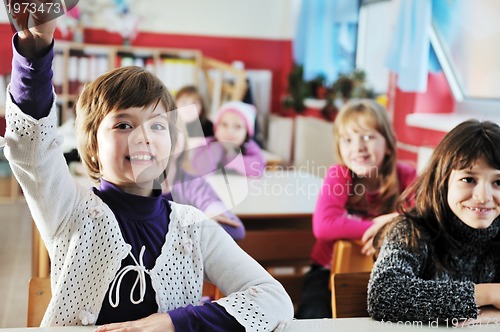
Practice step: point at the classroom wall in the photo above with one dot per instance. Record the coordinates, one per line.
(257, 32)
(437, 99)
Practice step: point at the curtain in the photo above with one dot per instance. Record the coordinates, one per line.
(325, 40)
(411, 55)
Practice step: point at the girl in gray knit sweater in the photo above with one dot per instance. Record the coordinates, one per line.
(439, 261)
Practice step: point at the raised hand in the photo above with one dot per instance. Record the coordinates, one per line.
(35, 22)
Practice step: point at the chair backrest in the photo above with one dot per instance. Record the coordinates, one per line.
(347, 257)
(349, 293)
(39, 296)
(280, 136)
(221, 90)
(314, 145)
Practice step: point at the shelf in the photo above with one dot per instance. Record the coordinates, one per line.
(76, 64)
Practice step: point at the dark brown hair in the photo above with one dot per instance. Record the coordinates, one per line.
(425, 204)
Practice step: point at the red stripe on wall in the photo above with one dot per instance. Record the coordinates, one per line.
(274, 55)
(5, 48)
(437, 99)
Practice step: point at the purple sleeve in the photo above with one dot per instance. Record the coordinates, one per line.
(330, 219)
(207, 158)
(31, 82)
(208, 317)
(254, 162)
(196, 191)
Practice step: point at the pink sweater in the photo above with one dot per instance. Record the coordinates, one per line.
(332, 221)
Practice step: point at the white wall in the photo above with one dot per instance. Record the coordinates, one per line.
(374, 38)
(3, 14)
(235, 18)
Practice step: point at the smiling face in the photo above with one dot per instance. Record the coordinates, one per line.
(474, 194)
(362, 149)
(231, 128)
(134, 146)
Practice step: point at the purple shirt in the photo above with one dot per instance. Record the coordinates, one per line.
(210, 157)
(142, 220)
(196, 191)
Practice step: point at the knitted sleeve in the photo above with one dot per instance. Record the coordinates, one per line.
(331, 220)
(399, 290)
(254, 297)
(34, 153)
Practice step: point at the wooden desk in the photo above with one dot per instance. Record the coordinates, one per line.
(370, 325)
(315, 325)
(277, 194)
(277, 212)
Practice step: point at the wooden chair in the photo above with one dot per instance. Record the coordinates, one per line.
(211, 291)
(349, 293)
(347, 257)
(220, 89)
(39, 296)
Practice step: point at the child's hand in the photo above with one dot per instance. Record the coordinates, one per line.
(369, 234)
(487, 295)
(35, 22)
(223, 219)
(152, 323)
(487, 315)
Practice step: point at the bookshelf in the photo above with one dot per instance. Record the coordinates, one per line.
(76, 64)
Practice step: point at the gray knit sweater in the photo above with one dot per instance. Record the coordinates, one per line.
(404, 285)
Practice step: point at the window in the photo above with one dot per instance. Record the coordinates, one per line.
(465, 36)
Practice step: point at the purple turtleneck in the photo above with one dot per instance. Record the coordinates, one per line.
(142, 220)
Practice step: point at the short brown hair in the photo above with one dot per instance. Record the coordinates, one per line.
(120, 88)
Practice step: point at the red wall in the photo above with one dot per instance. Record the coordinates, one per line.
(274, 55)
(437, 99)
(5, 48)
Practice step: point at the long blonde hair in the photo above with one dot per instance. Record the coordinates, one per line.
(373, 115)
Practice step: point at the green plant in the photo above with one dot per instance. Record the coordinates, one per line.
(298, 89)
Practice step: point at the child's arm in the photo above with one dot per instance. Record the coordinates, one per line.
(31, 135)
(398, 290)
(331, 220)
(248, 288)
(31, 81)
(487, 294)
(196, 191)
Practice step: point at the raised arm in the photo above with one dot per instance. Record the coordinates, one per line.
(31, 81)
(32, 143)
